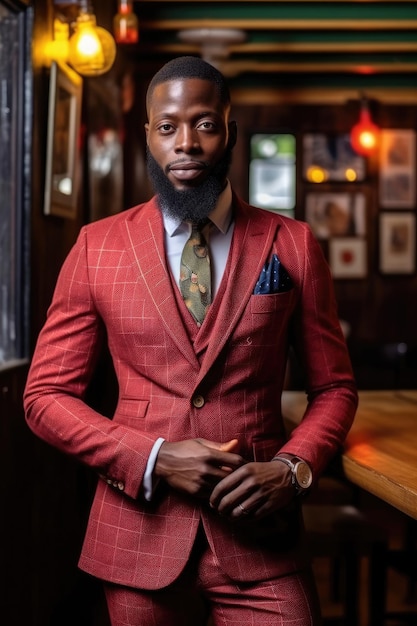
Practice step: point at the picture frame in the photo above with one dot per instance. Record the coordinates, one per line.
(333, 157)
(62, 162)
(336, 214)
(272, 172)
(397, 163)
(348, 257)
(397, 243)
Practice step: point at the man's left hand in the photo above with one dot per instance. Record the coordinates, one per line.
(253, 491)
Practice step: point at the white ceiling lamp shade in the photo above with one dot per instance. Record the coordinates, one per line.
(214, 43)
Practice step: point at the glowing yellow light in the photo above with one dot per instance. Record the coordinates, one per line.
(351, 174)
(316, 174)
(57, 48)
(88, 44)
(367, 139)
(92, 49)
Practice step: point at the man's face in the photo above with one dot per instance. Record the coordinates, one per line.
(188, 131)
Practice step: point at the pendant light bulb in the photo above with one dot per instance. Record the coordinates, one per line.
(92, 49)
(365, 134)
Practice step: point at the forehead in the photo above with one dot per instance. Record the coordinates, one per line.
(185, 92)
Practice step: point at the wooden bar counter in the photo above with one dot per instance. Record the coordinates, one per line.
(380, 454)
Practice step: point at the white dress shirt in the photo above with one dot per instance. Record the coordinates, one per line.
(218, 236)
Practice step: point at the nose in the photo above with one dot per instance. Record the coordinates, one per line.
(187, 140)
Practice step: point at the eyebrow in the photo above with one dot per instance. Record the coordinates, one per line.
(197, 116)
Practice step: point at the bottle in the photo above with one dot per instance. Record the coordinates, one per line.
(125, 23)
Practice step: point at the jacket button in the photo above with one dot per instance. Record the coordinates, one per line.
(198, 401)
(120, 486)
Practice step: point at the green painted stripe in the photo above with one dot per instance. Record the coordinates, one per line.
(331, 36)
(289, 10)
(350, 81)
(359, 59)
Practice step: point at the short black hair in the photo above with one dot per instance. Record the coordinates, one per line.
(190, 67)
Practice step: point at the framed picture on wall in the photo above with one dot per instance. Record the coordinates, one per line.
(272, 172)
(397, 243)
(336, 214)
(331, 158)
(397, 162)
(348, 257)
(64, 114)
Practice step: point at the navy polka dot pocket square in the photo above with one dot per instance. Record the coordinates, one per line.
(273, 278)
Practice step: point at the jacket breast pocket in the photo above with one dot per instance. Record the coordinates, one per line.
(273, 302)
(265, 321)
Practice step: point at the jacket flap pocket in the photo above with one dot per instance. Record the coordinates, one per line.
(132, 407)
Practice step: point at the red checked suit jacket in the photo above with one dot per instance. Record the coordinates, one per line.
(225, 384)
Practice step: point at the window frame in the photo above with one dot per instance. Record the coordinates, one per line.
(17, 122)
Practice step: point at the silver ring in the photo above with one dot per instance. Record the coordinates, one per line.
(242, 508)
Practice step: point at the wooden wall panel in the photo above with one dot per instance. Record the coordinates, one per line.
(380, 309)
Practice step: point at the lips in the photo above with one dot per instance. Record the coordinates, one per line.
(187, 170)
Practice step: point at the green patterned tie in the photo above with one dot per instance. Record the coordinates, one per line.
(195, 278)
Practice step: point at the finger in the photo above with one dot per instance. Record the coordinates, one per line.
(229, 492)
(250, 515)
(235, 480)
(228, 461)
(241, 510)
(245, 506)
(227, 446)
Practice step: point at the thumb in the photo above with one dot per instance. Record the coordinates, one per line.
(228, 446)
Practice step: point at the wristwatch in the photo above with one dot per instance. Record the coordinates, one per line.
(301, 474)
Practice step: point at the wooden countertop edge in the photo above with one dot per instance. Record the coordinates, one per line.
(380, 486)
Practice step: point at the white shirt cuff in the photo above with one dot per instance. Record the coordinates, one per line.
(149, 483)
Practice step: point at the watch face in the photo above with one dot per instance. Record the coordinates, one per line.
(303, 475)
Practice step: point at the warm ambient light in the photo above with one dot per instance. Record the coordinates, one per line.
(92, 49)
(316, 174)
(125, 23)
(351, 174)
(364, 135)
(57, 48)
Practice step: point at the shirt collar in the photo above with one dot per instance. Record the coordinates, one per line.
(221, 215)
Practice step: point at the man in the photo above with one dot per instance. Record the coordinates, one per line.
(197, 508)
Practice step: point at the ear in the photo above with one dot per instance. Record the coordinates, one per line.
(147, 133)
(232, 126)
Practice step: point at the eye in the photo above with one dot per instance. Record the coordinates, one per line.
(206, 125)
(165, 128)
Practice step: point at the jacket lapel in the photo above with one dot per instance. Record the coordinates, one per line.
(251, 245)
(144, 236)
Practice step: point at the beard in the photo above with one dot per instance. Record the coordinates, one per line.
(196, 203)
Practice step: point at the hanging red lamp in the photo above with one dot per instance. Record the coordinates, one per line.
(364, 136)
(125, 23)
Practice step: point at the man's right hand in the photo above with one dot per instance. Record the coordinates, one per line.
(195, 466)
